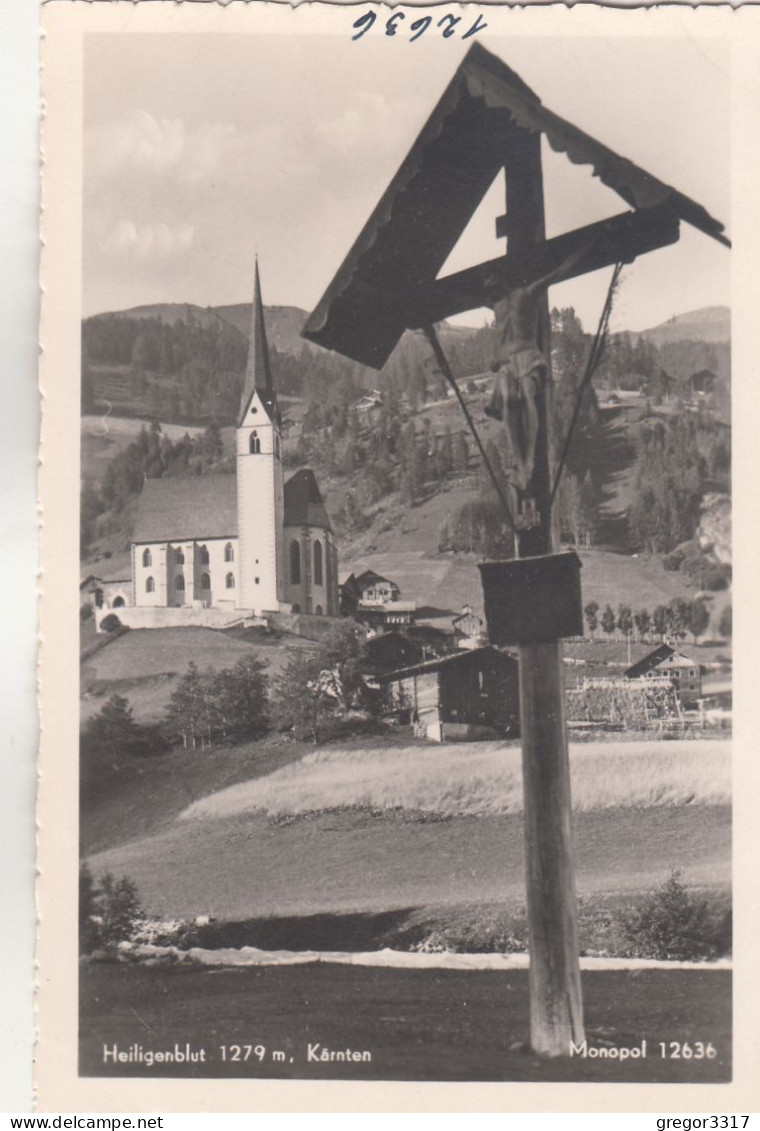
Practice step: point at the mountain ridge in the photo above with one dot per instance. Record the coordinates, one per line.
(285, 323)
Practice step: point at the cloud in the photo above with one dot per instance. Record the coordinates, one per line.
(366, 122)
(144, 241)
(158, 147)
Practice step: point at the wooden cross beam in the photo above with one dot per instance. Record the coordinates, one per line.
(618, 240)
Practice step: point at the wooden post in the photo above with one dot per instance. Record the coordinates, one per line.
(556, 1010)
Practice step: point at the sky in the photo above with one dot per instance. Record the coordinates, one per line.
(201, 151)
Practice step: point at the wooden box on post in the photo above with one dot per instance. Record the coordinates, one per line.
(529, 600)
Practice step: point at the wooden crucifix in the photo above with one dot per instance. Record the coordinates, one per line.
(488, 119)
(556, 1007)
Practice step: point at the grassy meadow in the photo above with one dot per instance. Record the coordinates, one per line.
(371, 826)
(458, 780)
(145, 665)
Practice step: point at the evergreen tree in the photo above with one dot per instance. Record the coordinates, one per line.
(625, 620)
(660, 620)
(114, 734)
(591, 612)
(679, 616)
(698, 617)
(608, 620)
(643, 622)
(187, 710)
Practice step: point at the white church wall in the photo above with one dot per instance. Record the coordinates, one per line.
(260, 509)
(164, 569)
(150, 572)
(223, 564)
(311, 596)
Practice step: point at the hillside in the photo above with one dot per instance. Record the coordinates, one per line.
(432, 827)
(284, 324)
(145, 665)
(169, 313)
(709, 324)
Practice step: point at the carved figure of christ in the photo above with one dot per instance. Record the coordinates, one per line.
(520, 365)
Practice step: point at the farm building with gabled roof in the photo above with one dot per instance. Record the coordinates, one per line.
(465, 695)
(683, 672)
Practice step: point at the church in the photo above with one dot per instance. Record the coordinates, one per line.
(216, 549)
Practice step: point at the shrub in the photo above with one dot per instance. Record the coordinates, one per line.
(108, 912)
(85, 612)
(716, 577)
(673, 561)
(672, 923)
(110, 623)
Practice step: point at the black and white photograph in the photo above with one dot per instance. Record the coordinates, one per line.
(405, 563)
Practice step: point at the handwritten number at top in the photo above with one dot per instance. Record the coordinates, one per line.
(447, 25)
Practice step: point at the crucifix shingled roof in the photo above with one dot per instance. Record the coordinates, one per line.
(487, 119)
(258, 373)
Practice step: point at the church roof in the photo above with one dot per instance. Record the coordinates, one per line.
(176, 510)
(378, 291)
(258, 373)
(205, 506)
(304, 505)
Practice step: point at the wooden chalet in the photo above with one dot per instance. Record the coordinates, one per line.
(375, 601)
(465, 695)
(469, 630)
(683, 672)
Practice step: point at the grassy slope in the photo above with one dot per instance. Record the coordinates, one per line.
(145, 664)
(449, 581)
(349, 860)
(362, 858)
(474, 780)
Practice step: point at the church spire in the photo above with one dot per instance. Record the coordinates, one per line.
(258, 374)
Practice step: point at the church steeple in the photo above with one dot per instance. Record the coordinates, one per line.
(258, 374)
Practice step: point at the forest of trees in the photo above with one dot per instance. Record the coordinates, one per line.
(677, 462)
(108, 505)
(191, 370)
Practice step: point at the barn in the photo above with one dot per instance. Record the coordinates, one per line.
(466, 695)
(683, 672)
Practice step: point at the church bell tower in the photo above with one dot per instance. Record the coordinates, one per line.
(260, 499)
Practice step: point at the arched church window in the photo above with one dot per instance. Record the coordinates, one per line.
(319, 611)
(255, 444)
(147, 558)
(229, 553)
(179, 557)
(229, 581)
(204, 556)
(150, 585)
(205, 581)
(118, 603)
(179, 583)
(295, 563)
(318, 572)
